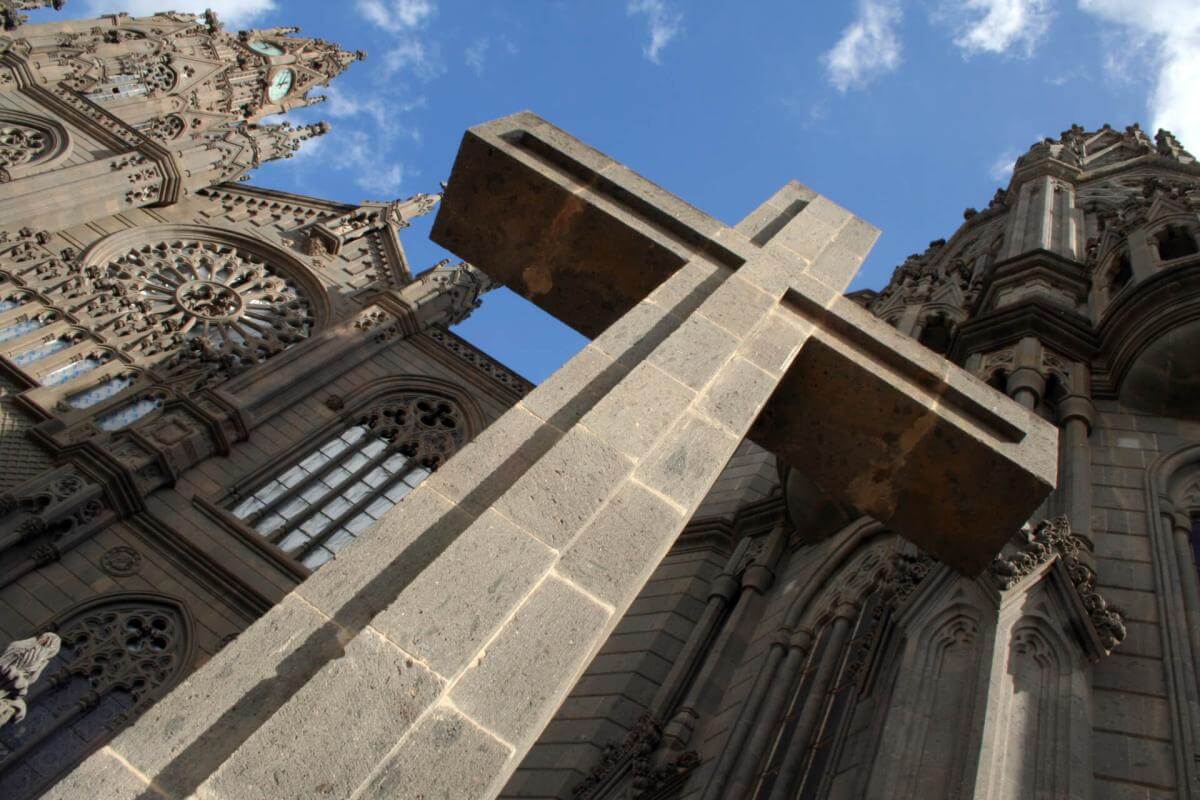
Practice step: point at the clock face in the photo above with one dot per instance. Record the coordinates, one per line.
(281, 84)
(266, 48)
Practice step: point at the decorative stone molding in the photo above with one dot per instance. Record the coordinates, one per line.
(629, 763)
(121, 561)
(1053, 539)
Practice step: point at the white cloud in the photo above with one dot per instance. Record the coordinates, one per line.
(476, 54)
(996, 26)
(665, 24)
(234, 13)
(869, 47)
(385, 182)
(1167, 33)
(1001, 169)
(416, 57)
(397, 16)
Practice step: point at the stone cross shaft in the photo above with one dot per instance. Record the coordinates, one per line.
(425, 660)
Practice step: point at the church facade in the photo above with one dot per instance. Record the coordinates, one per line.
(210, 389)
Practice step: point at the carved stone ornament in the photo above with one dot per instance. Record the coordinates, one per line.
(21, 664)
(1054, 539)
(634, 756)
(121, 561)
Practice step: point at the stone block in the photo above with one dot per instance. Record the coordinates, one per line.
(515, 686)
(490, 463)
(1132, 758)
(103, 775)
(633, 415)
(622, 545)
(556, 497)
(635, 335)
(1126, 673)
(449, 756)
(567, 395)
(369, 574)
(186, 735)
(683, 292)
(738, 306)
(456, 604)
(764, 222)
(774, 344)
(684, 465)
(695, 352)
(737, 394)
(335, 730)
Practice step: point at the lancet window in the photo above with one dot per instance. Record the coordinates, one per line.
(338, 490)
(116, 656)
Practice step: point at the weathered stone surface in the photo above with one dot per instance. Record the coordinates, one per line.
(696, 354)
(364, 579)
(633, 415)
(456, 604)
(688, 459)
(104, 775)
(617, 551)
(447, 753)
(374, 692)
(189, 733)
(559, 493)
(571, 392)
(518, 681)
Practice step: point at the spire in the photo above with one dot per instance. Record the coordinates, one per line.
(446, 294)
(329, 236)
(10, 10)
(280, 141)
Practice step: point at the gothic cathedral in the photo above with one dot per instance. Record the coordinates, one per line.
(208, 389)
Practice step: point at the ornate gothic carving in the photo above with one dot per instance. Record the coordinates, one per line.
(21, 664)
(633, 756)
(1054, 539)
(121, 561)
(426, 429)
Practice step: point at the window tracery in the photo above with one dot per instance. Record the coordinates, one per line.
(340, 489)
(199, 309)
(116, 656)
(21, 145)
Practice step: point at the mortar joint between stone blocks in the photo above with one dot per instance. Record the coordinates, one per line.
(605, 605)
(521, 405)
(450, 705)
(137, 773)
(651, 490)
(407, 655)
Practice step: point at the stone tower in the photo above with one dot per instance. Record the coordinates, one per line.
(789, 647)
(206, 389)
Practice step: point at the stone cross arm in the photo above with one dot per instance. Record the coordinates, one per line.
(874, 418)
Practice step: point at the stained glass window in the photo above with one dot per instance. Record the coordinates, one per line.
(126, 415)
(111, 386)
(341, 488)
(70, 371)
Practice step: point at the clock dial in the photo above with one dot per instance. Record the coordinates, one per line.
(281, 84)
(266, 48)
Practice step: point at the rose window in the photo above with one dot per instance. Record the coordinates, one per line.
(20, 145)
(203, 304)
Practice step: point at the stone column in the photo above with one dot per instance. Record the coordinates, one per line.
(833, 651)
(1076, 415)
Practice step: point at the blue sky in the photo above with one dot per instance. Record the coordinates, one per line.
(904, 111)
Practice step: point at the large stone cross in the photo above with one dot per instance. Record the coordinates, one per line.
(426, 659)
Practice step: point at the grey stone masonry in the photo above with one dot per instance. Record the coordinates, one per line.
(456, 630)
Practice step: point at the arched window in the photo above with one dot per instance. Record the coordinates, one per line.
(1175, 242)
(118, 654)
(339, 489)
